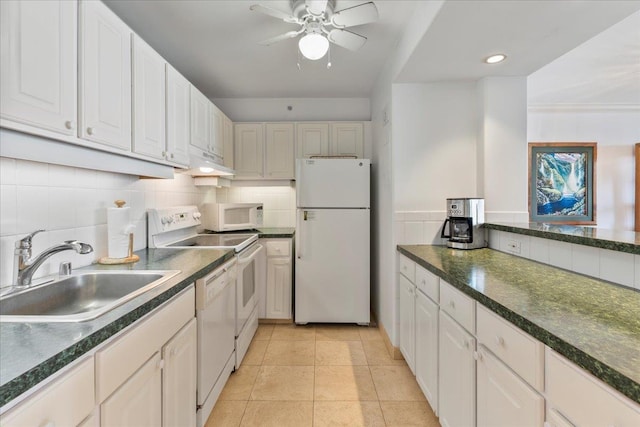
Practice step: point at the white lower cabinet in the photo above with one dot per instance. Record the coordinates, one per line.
(580, 399)
(179, 378)
(457, 375)
(505, 400)
(426, 363)
(138, 402)
(147, 375)
(407, 321)
(279, 284)
(66, 401)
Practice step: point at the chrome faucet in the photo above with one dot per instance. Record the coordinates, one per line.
(24, 266)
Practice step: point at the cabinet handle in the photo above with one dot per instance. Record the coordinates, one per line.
(452, 304)
(499, 340)
(160, 364)
(171, 155)
(90, 131)
(466, 344)
(70, 124)
(48, 423)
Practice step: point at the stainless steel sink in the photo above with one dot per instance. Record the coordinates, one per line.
(79, 297)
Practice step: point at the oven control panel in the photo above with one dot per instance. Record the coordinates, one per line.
(175, 218)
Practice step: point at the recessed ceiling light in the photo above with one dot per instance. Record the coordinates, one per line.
(494, 59)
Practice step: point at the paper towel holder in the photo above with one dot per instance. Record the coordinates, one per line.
(131, 257)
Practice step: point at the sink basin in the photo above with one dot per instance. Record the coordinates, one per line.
(79, 297)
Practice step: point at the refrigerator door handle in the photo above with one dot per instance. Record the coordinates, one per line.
(299, 234)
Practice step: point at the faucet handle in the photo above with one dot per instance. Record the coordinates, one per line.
(25, 242)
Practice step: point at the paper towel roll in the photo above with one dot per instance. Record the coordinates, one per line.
(118, 228)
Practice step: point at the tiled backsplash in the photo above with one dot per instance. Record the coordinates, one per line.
(424, 227)
(617, 267)
(279, 202)
(70, 203)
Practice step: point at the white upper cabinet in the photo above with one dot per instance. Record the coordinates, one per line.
(347, 139)
(228, 142)
(330, 139)
(105, 76)
(248, 143)
(279, 151)
(200, 121)
(39, 63)
(217, 131)
(178, 117)
(312, 140)
(148, 100)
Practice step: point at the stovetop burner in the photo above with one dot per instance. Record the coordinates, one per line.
(177, 227)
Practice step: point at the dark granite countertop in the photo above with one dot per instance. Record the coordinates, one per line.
(615, 240)
(30, 352)
(264, 232)
(593, 323)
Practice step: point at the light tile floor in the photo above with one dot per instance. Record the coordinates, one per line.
(320, 376)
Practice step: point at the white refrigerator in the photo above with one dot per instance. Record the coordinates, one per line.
(332, 264)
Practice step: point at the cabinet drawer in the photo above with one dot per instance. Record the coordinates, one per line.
(121, 358)
(583, 399)
(428, 283)
(278, 247)
(459, 306)
(407, 268)
(520, 351)
(64, 402)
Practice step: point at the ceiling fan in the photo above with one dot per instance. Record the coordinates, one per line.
(321, 24)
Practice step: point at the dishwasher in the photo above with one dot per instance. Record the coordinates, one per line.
(215, 314)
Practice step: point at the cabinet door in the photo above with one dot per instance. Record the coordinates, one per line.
(456, 374)
(407, 321)
(312, 140)
(347, 139)
(279, 151)
(39, 63)
(148, 100)
(200, 120)
(248, 142)
(178, 117)
(66, 401)
(228, 143)
(217, 131)
(503, 398)
(179, 378)
(138, 402)
(427, 348)
(105, 75)
(278, 288)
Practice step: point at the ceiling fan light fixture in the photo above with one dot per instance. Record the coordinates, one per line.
(313, 46)
(494, 59)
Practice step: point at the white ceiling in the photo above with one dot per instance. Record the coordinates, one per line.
(604, 70)
(214, 43)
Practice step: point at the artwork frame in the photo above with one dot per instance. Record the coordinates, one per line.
(562, 182)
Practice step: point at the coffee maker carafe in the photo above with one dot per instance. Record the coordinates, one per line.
(463, 226)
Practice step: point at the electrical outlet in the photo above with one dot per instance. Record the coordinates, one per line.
(514, 246)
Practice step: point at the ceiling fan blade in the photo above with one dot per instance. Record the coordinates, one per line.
(275, 13)
(316, 7)
(346, 39)
(272, 40)
(356, 15)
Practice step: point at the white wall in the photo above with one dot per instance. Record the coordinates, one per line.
(434, 155)
(70, 203)
(502, 148)
(302, 109)
(384, 290)
(616, 130)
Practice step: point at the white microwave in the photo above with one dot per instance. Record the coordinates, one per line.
(231, 216)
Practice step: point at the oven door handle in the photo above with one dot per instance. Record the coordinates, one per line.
(246, 259)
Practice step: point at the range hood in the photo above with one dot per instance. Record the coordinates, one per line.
(202, 163)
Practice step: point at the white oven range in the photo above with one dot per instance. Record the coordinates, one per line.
(218, 354)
